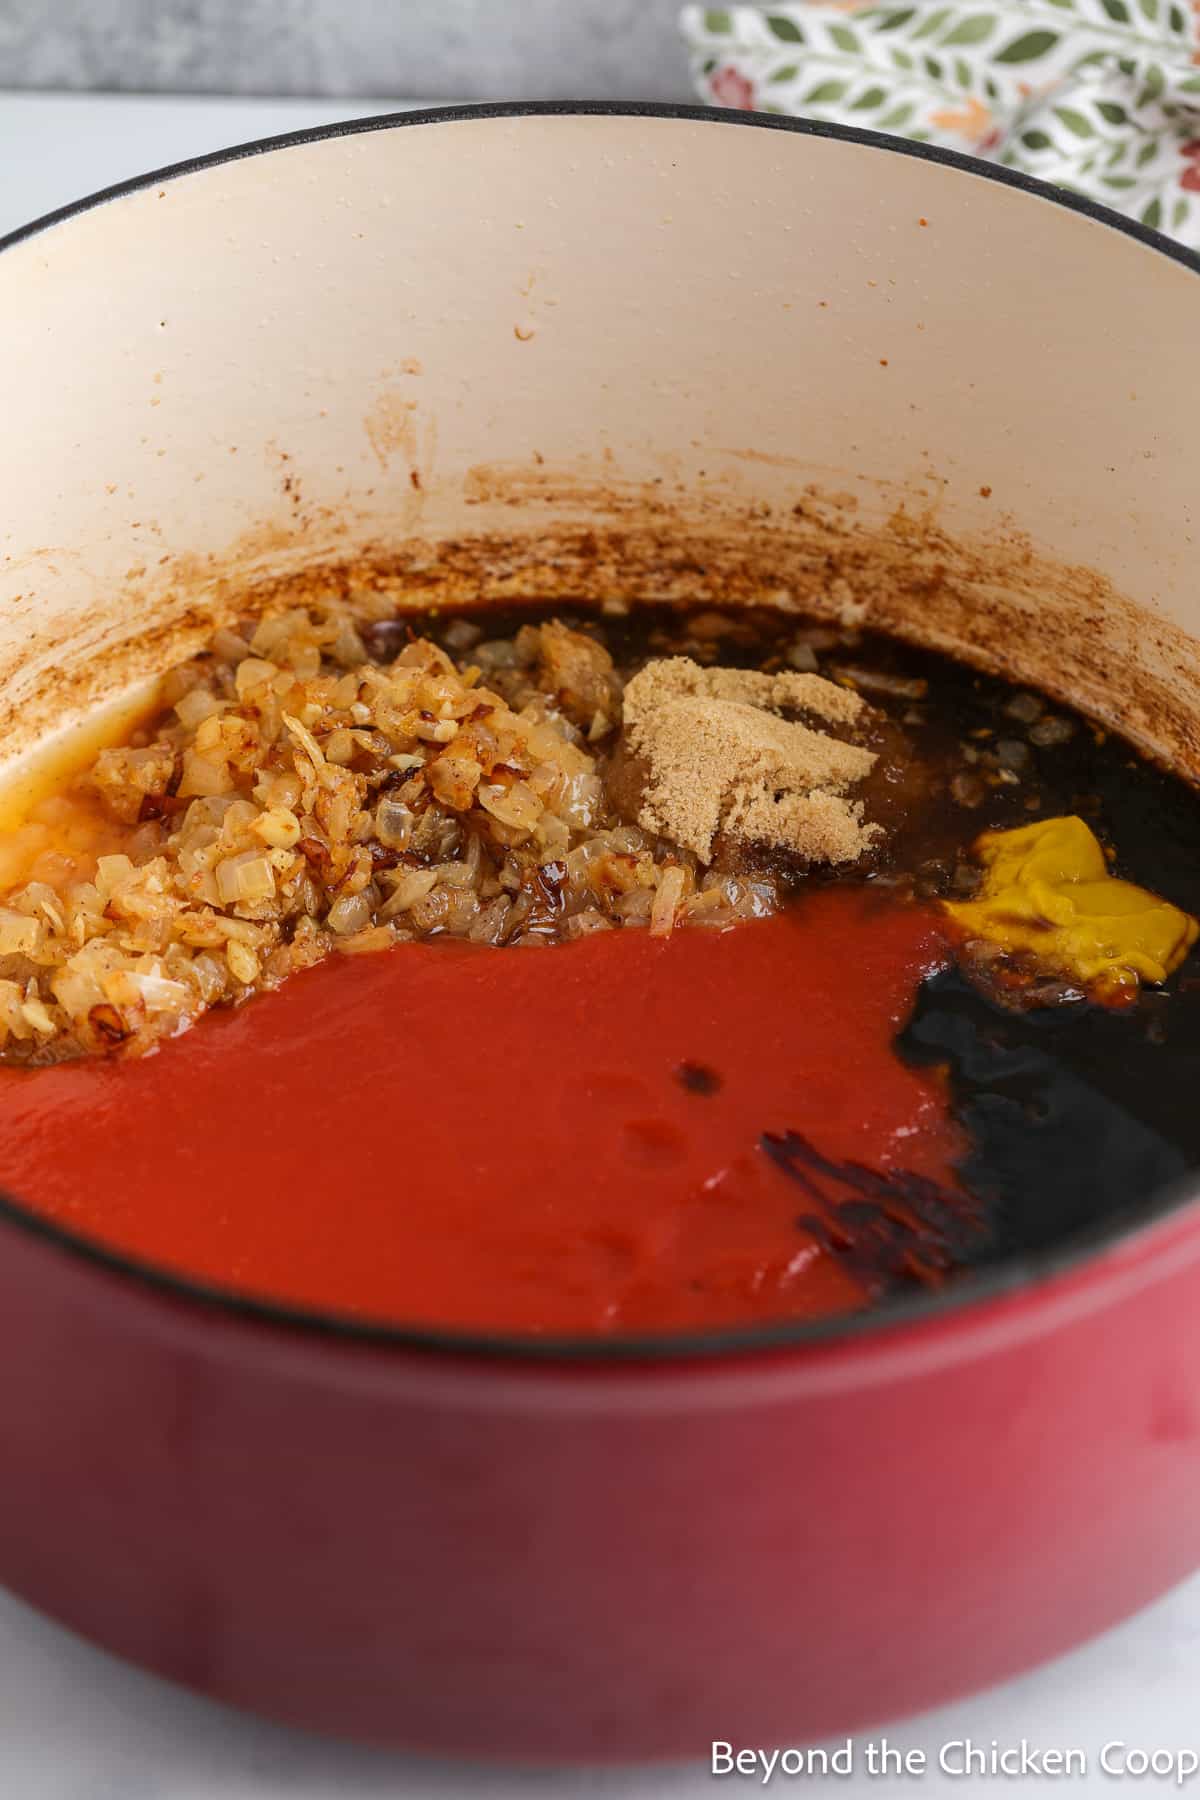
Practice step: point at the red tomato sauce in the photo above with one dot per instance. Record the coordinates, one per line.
(550, 1140)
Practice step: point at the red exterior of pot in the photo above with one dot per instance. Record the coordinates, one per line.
(600, 1558)
(590, 1560)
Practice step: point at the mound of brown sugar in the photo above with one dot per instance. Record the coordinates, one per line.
(719, 758)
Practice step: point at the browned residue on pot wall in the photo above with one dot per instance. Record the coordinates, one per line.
(545, 533)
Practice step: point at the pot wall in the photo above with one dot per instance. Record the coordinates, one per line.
(500, 322)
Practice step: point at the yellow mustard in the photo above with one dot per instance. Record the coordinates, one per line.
(1047, 891)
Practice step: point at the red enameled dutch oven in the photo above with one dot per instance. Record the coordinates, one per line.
(617, 352)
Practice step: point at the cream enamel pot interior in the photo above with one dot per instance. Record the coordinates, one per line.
(614, 352)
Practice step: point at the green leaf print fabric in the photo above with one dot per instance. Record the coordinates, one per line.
(1099, 96)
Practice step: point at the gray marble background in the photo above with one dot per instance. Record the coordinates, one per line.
(419, 49)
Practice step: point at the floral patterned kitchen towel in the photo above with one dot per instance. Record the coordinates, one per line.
(1101, 96)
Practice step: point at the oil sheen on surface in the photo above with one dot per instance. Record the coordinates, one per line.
(552, 1140)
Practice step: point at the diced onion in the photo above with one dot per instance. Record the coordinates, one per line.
(277, 827)
(517, 805)
(351, 913)
(243, 964)
(245, 879)
(412, 886)
(666, 901)
(253, 673)
(19, 932)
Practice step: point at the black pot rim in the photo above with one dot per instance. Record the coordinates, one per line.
(966, 1295)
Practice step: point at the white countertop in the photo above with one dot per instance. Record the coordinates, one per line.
(76, 1725)
(56, 147)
